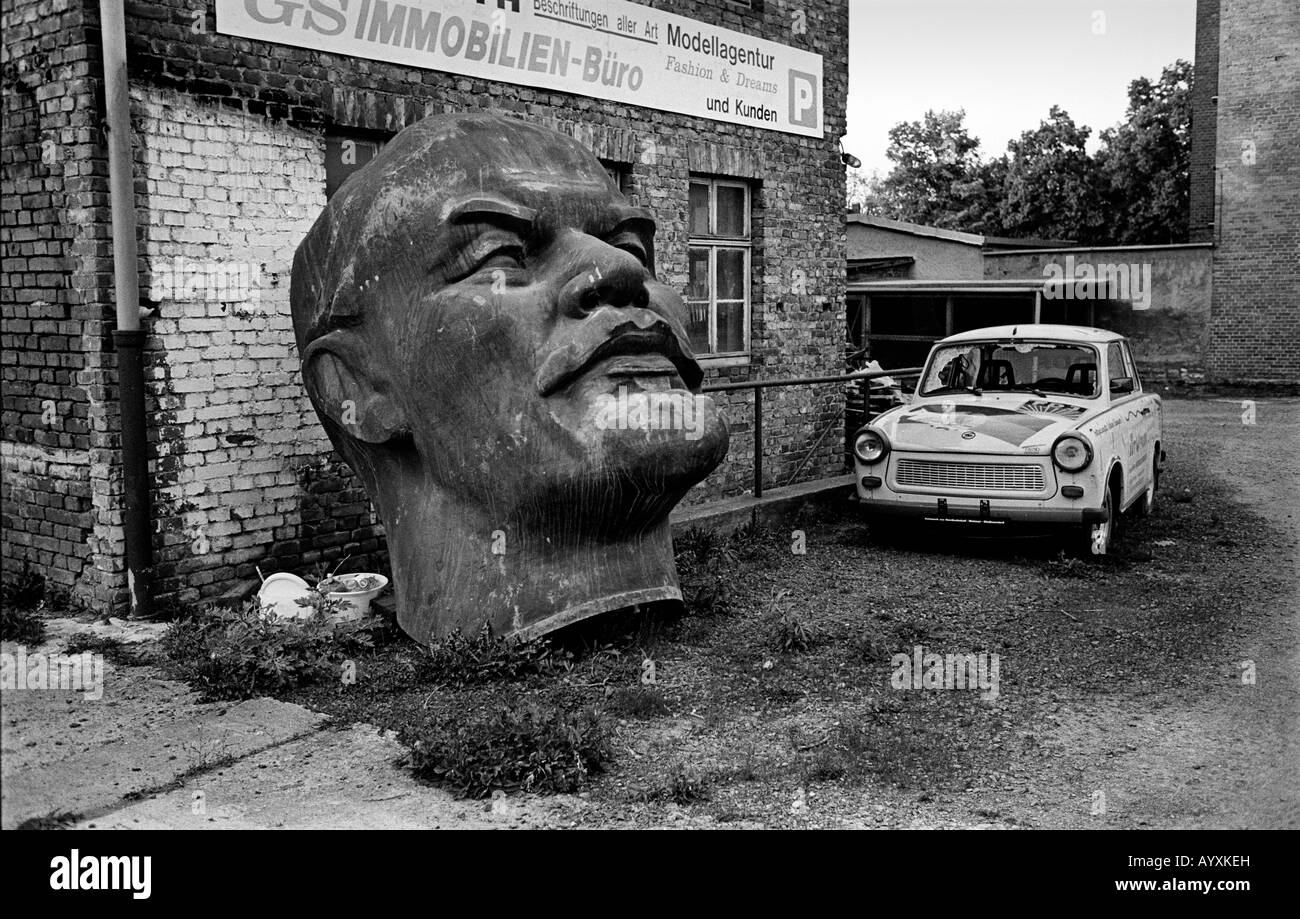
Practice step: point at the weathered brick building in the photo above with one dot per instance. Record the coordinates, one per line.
(1246, 183)
(237, 141)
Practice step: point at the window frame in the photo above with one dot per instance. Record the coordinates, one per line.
(374, 140)
(713, 242)
(1127, 371)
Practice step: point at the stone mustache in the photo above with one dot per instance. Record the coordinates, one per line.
(472, 310)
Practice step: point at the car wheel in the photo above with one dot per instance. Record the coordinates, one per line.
(1101, 536)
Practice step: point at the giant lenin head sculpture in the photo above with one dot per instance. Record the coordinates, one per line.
(485, 341)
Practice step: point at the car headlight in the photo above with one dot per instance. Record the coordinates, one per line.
(1071, 453)
(870, 446)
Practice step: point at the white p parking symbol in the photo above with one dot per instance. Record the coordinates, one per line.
(805, 99)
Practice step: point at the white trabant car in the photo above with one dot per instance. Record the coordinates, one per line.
(1025, 423)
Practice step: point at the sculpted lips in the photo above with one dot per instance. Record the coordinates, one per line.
(611, 332)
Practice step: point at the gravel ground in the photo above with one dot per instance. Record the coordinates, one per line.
(1121, 697)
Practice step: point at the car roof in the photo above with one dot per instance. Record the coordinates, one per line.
(1029, 330)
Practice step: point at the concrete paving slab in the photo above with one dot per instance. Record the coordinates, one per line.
(330, 780)
(61, 752)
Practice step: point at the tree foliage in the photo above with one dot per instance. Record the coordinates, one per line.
(1133, 190)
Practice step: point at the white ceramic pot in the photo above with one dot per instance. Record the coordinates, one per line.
(354, 591)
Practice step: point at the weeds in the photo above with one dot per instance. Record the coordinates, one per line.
(699, 547)
(485, 658)
(1065, 566)
(242, 654)
(24, 626)
(21, 596)
(22, 591)
(790, 634)
(844, 754)
(704, 559)
(682, 786)
(526, 747)
(109, 647)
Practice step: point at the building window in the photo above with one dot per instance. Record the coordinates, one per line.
(719, 253)
(344, 155)
(620, 174)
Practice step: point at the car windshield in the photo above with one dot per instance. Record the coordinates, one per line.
(1021, 366)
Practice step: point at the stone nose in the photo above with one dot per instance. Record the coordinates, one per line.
(604, 276)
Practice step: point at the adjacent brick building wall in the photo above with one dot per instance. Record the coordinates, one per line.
(1205, 93)
(230, 145)
(1255, 328)
(58, 445)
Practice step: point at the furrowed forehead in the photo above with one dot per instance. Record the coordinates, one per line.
(448, 169)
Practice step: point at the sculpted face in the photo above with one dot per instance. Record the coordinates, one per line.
(483, 335)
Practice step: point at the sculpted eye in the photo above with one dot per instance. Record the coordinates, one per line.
(492, 253)
(504, 257)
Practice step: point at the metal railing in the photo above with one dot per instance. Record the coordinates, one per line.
(759, 385)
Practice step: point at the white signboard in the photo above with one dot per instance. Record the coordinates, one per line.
(606, 49)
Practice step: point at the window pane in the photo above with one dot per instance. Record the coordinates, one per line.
(731, 211)
(731, 274)
(731, 326)
(697, 327)
(698, 285)
(699, 209)
(1116, 360)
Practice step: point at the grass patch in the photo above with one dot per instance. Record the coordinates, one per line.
(523, 747)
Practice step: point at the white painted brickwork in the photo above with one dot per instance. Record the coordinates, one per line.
(227, 198)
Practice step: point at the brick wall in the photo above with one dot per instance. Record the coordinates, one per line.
(58, 433)
(1255, 329)
(242, 469)
(1205, 89)
(229, 144)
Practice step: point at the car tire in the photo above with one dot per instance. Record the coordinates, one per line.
(1100, 537)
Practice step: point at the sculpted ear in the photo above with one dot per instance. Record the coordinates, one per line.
(346, 387)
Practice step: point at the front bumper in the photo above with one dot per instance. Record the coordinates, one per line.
(880, 494)
(986, 512)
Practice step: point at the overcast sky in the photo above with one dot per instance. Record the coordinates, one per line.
(1006, 62)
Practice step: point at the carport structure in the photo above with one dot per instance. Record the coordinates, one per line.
(897, 321)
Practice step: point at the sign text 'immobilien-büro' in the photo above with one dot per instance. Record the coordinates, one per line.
(611, 49)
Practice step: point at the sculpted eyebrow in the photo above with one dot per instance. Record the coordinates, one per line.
(626, 217)
(494, 210)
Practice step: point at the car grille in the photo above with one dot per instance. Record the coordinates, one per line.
(975, 476)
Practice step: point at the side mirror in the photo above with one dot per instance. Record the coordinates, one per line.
(1121, 385)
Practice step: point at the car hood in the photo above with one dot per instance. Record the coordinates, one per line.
(990, 424)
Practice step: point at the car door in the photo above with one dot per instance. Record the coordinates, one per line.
(1149, 423)
(1134, 435)
(1122, 384)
